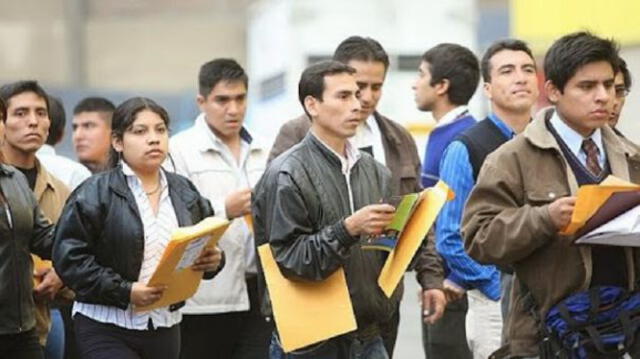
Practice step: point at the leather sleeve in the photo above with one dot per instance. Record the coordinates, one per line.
(429, 265)
(301, 251)
(74, 260)
(42, 237)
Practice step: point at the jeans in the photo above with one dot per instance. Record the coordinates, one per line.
(342, 347)
(55, 340)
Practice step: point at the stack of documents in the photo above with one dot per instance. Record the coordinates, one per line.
(608, 213)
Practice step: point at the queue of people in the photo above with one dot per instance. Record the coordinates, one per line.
(80, 240)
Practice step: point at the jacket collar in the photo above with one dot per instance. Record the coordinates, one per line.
(385, 129)
(205, 140)
(538, 135)
(181, 196)
(6, 170)
(314, 143)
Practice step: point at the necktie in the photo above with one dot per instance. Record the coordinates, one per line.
(589, 147)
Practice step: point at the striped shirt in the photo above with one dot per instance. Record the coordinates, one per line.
(456, 171)
(157, 233)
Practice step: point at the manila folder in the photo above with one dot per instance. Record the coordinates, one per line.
(174, 269)
(307, 312)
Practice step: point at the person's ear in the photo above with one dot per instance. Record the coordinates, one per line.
(553, 92)
(311, 104)
(486, 88)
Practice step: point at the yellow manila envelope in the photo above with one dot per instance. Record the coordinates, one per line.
(39, 263)
(174, 269)
(591, 197)
(307, 312)
(414, 233)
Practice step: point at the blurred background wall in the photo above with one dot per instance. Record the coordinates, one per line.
(120, 48)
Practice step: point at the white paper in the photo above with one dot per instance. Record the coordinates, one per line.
(192, 252)
(623, 230)
(624, 223)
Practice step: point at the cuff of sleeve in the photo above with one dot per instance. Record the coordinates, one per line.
(492, 287)
(343, 236)
(124, 295)
(429, 281)
(547, 229)
(210, 275)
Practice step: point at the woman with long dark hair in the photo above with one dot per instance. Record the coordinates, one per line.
(112, 234)
(23, 230)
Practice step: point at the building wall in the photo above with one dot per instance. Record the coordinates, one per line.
(284, 34)
(118, 44)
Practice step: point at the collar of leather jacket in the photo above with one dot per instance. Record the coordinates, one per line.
(181, 196)
(312, 140)
(6, 170)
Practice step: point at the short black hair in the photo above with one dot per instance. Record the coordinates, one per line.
(361, 49)
(571, 52)
(214, 71)
(626, 75)
(457, 64)
(16, 88)
(58, 119)
(94, 104)
(312, 79)
(500, 45)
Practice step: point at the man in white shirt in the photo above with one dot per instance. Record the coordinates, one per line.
(68, 171)
(223, 161)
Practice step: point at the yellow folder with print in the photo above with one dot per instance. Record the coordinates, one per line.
(591, 197)
(307, 312)
(415, 231)
(174, 269)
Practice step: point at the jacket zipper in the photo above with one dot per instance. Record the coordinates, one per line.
(7, 211)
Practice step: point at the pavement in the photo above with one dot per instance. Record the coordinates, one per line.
(409, 342)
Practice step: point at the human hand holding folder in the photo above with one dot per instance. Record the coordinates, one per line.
(175, 270)
(606, 214)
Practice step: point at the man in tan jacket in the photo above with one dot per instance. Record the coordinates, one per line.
(525, 191)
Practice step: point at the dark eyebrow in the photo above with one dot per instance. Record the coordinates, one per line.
(222, 98)
(507, 66)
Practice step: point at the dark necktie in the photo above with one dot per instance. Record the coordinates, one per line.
(589, 147)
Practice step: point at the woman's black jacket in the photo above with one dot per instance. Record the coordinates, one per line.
(99, 240)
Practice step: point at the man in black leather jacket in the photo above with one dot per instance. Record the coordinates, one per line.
(318, 199)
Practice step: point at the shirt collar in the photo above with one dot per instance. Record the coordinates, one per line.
(352, 152)
(452, 116)
(209, 141)
(573, 139)
(504, 128)
(132, 177)
(47, 150)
